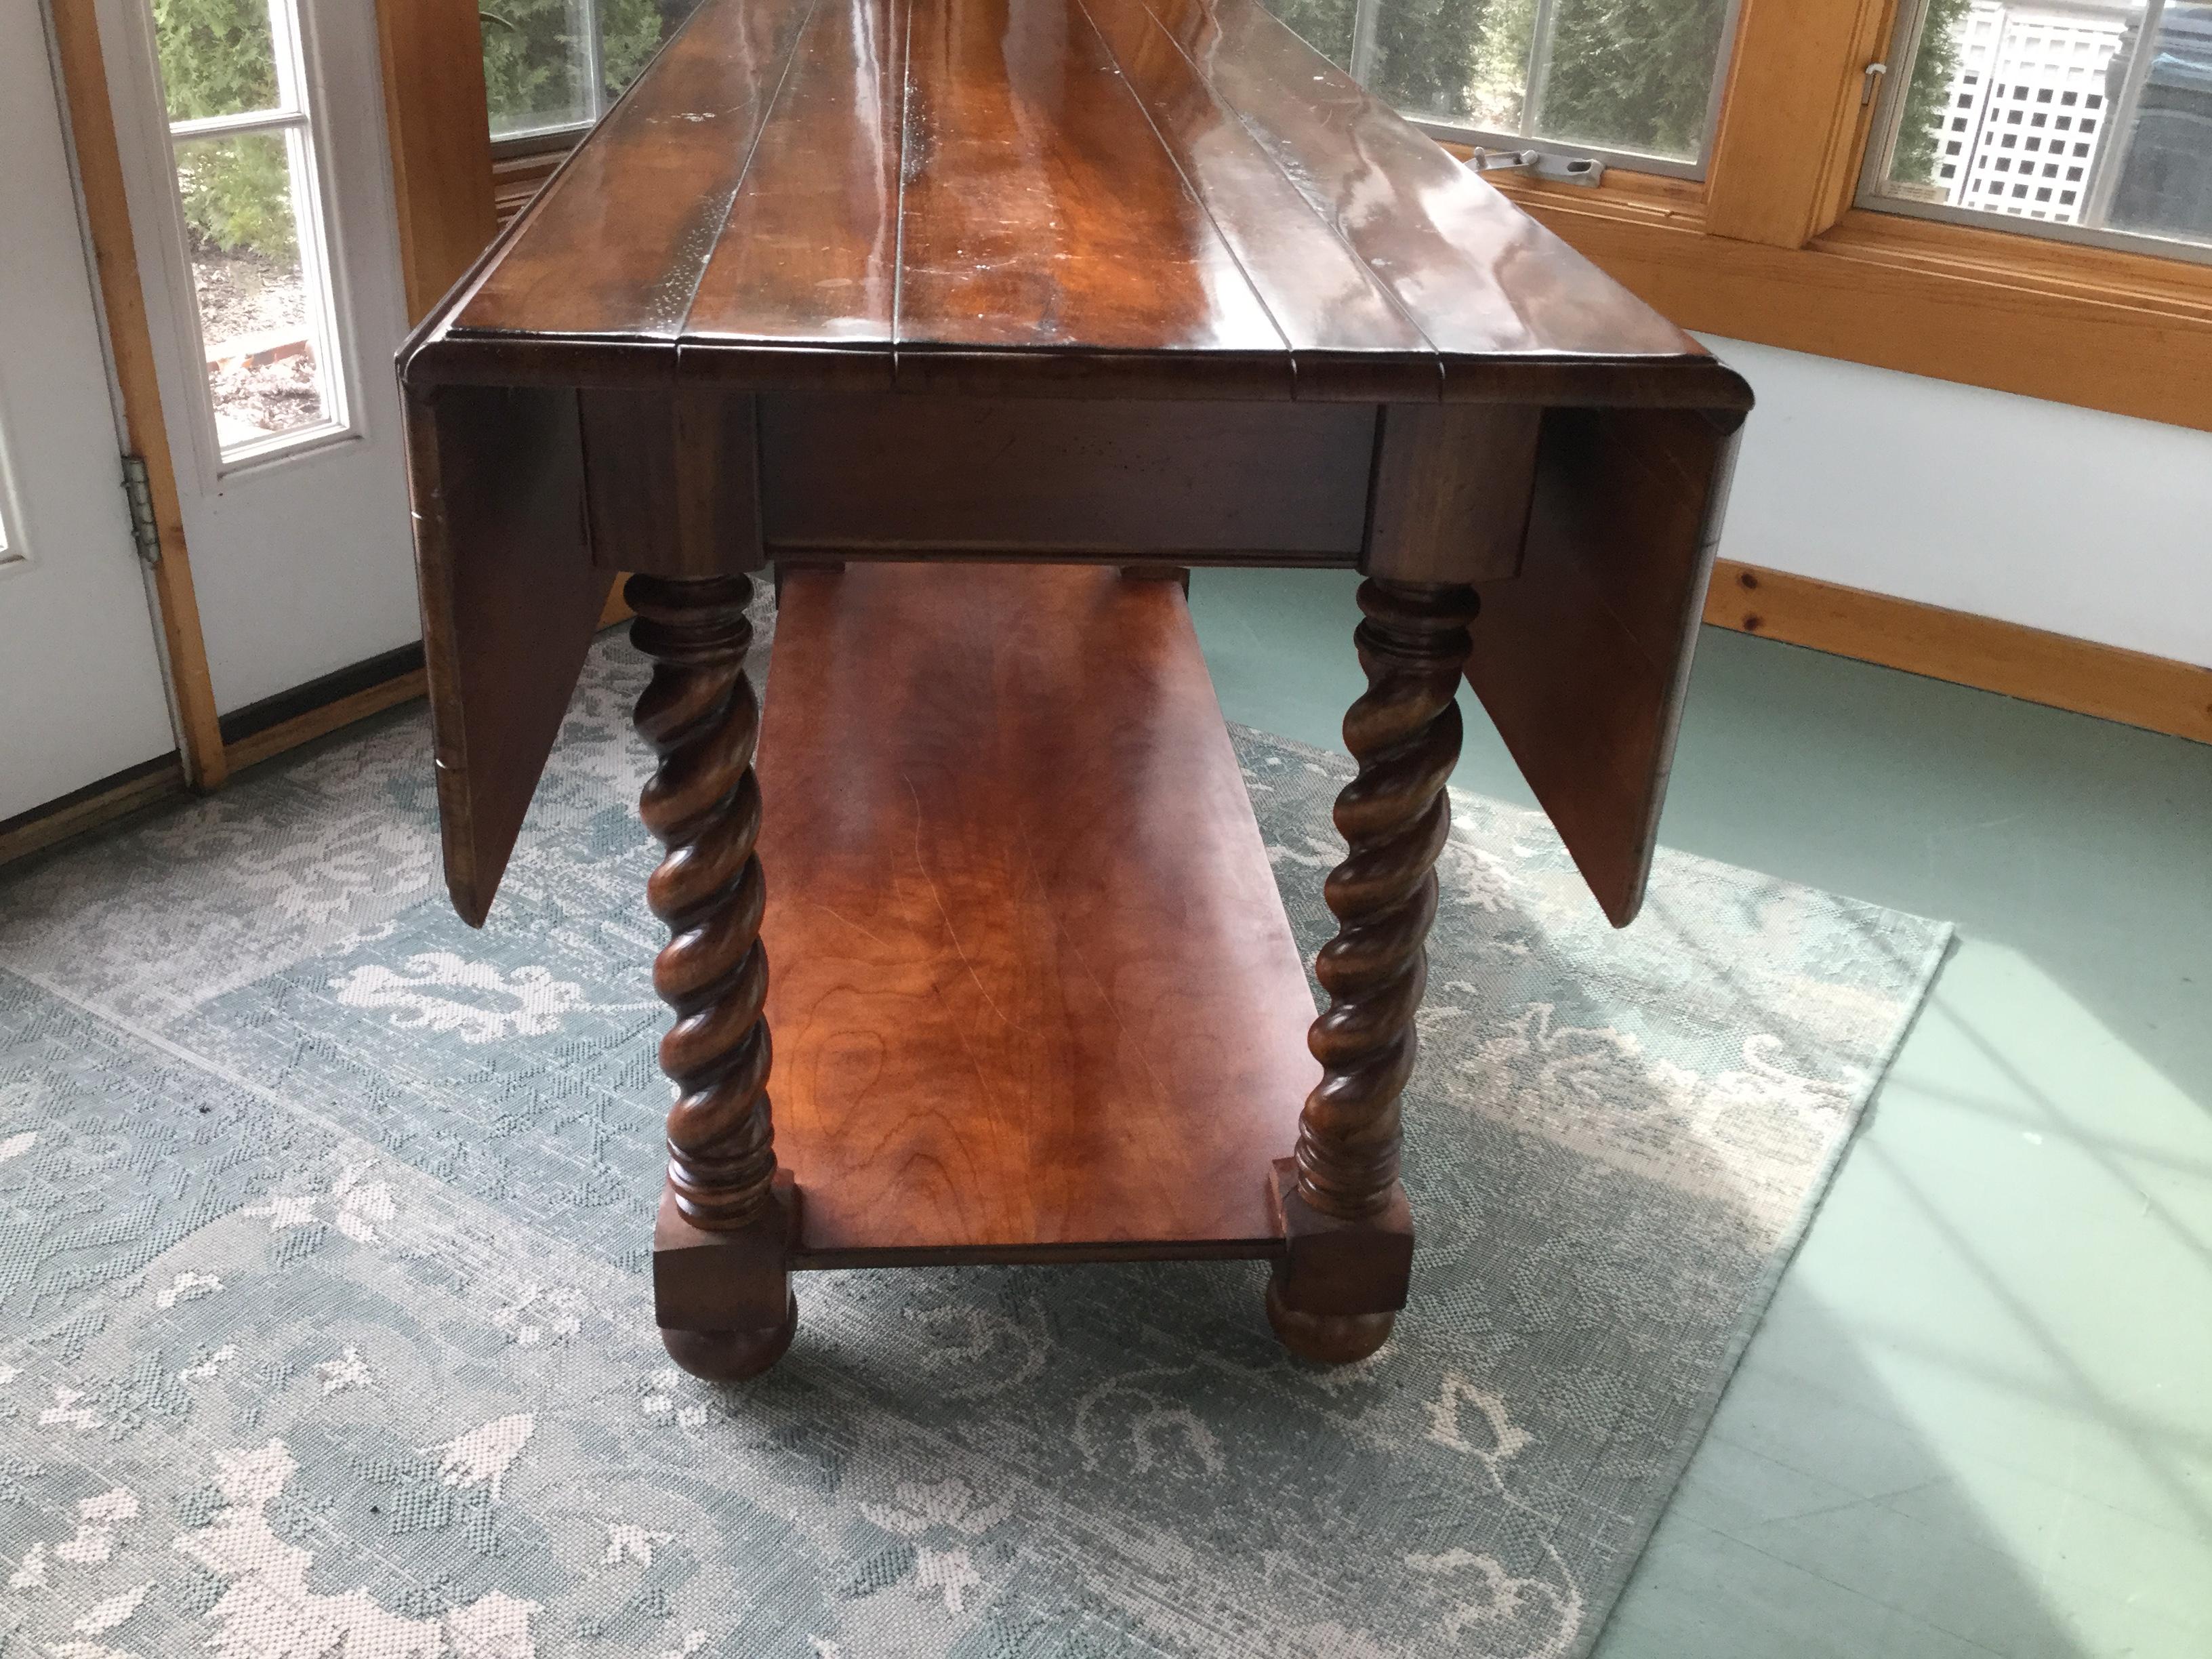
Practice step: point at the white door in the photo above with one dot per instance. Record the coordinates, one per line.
(254, 159)
(82, 695)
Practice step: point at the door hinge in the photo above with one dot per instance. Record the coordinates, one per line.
(139, 490)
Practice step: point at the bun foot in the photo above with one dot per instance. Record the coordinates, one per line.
(731, 1356)
(1326, 1338)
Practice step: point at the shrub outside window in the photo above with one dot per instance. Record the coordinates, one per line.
(552, 67)
(1633, 80)
(249, 197)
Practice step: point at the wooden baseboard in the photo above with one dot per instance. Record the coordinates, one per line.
(90, 807)
(113, 798)
(2155, 693)
(320, 722)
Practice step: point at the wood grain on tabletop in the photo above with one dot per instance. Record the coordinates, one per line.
(981, 193)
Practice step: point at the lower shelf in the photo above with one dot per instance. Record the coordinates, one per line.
(1033, 996)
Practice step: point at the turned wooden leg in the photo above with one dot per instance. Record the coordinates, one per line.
(722, 1243)
(1347, 1231)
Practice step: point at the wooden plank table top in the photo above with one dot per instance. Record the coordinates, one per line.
(1004, 195)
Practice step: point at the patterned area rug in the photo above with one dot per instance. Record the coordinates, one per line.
(323, 1327)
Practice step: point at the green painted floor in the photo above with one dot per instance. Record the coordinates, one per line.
(1978, 1417)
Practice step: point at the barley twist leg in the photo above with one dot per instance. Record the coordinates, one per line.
(1348, 1232)
(721, 1271)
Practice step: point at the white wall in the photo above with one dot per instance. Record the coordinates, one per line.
(2087, 524)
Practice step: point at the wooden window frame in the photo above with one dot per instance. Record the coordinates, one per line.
(1770, 247)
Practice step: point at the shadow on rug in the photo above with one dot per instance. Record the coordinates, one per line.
(322, 1239)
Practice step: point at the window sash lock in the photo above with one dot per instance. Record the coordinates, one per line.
(1585, 170)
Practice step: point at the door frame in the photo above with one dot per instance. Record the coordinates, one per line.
(438, 134)
(84, 68)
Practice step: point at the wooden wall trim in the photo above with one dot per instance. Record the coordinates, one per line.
(439, 132)
(320, 722)
(131, 346)
(2072, 325)
(110, 798)
(516, 179)
(2155, 693)
(1792, 123)
(87, 809)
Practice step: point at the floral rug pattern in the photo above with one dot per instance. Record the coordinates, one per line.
(325, 1330)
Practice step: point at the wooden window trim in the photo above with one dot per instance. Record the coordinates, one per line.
(2094, 327)
(1770, 249)
(439, 132)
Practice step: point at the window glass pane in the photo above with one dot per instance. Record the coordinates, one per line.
(1634, 75)
(554, 64)
(261, 331)
(218, 57)
(1631, 74)
(1462, 61)
(2161, 182)
(2088, 112)
(1325, 24)
(630, 31)
(538, 64)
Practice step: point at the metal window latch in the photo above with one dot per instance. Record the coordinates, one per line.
(1870, 77)
(139, 490)
(1561, 169)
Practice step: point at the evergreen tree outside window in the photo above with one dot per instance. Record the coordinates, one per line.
(551, 66)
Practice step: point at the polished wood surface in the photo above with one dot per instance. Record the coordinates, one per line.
(613, 245)
(703, 804)
(1346, 1221)
(510, 601)
(953, 311)
(1451, 492)
(991, 196)
(1034, 478)
(1583, 659)
(844, 280)
(1032, 989)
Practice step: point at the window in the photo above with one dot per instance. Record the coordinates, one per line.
(2134, 78)
(553, 66)
(1632, 79)
(243, 148)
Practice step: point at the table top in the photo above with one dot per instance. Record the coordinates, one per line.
(1176, 196)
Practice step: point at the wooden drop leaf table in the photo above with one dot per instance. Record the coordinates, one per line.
(981, 322)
